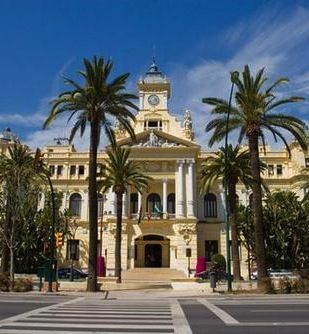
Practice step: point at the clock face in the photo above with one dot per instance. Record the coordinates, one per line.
(153, 100)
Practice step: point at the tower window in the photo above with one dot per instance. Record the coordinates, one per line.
(279, 170)
(72, 170)
(81, 170)
(270, 169)
(153, 124)
(59, 170)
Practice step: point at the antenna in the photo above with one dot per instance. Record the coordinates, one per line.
(154, 53)
(59, 140)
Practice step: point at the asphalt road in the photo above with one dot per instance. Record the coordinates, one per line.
(267, 315)
(11, 305)
(135, 313)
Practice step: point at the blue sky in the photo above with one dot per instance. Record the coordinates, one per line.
(196, 44)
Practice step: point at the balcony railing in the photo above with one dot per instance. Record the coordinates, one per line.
(153, 216)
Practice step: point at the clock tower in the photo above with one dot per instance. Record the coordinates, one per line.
(154, 90)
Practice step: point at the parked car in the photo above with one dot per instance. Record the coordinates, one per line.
(65, 273)
(281, 273)
(253, 275)
(275, 273)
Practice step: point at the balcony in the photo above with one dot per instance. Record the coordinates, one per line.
(153, 216)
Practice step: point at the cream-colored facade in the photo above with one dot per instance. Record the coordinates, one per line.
(175, 216)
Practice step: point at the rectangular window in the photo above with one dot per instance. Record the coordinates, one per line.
(51, 169)
(81, 170)
(279, 170)
(270, 169)
(59, 170)
(307, 162)
(211, 248)
(72, 170)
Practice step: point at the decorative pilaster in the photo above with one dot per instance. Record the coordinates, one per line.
(190, 192)
(139, 201)
(164, 183)
(180, 189)
(113, 203)
(84, 208)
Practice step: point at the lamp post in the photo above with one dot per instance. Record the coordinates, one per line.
(234, 78)
(52, 239)
(38, 164)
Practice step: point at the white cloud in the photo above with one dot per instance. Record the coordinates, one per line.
(23, 120)
(278, 43)
(275, 41)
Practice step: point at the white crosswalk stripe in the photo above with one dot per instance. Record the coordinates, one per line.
(93, 315)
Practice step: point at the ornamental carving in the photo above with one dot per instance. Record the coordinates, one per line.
(187, 231)
(152, 167)
(155, 141)
(113, 226)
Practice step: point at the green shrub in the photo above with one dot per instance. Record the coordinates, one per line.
(219, 261)
(4, 282)
(268, 286)
(23, 285)
(285, 285)
(301, 285)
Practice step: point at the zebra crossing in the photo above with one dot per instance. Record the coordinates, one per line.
(93, 315)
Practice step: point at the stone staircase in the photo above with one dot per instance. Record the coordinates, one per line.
(160, 275)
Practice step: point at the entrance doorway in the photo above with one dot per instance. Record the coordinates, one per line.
(153, 255)
(152, 251)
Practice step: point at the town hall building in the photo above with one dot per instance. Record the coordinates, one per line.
(176, 219)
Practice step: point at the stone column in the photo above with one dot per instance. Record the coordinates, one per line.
(190, 191)
(139, 202)
(164, 199)
(180, 189)
(113, 203)
(124, 205)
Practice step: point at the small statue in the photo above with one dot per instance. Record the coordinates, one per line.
(187, 120)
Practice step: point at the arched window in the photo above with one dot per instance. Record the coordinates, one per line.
(100, 205)
(75, 205)
(210, 205)
(134, 203)
(154, 203)
(171, 203)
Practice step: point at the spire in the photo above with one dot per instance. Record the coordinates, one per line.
(153, 69)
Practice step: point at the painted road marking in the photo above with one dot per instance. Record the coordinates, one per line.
(225, 317)
(179, 319)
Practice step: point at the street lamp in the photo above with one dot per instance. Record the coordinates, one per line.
(234, 78)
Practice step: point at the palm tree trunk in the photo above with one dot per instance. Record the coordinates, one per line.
(93, 209)
(235, 249)
(11, 268)
(257, 209)
(118, 237)
(5, 249)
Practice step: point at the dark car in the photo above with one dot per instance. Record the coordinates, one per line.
(65, 273)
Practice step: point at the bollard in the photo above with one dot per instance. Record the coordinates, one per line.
(213, 281)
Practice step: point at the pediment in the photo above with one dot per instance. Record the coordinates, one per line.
(156, 138)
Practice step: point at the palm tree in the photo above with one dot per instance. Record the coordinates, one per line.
(120, 174)
(252, 115)
(93, 103)
(20, 187)
(238, 170)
